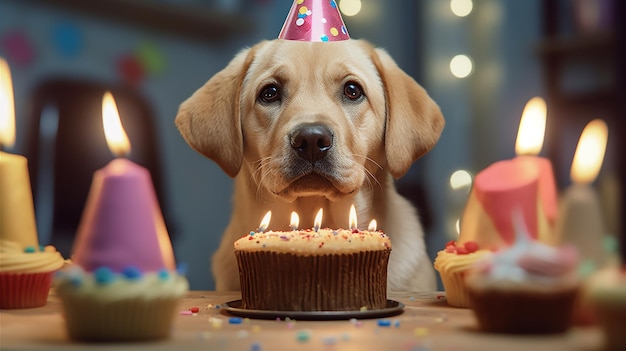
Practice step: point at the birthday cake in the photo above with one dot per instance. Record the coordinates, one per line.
(307, 270)
(529, 287)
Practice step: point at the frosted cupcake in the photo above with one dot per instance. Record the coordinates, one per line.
(26, 268)
(123, 284)
(453, 264)
(26, 274)
(605, 290)
(529, 287)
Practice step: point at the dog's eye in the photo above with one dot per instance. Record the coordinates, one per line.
(269, 93)
(352, 91)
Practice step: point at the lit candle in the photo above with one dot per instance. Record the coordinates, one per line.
(372, 226)
(317, 222)
(352, 218)
(295, 221)
(17, 214)
(527, 146)
(580, 220)
(122, 225)
(265, 222)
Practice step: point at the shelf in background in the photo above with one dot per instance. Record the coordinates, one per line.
(188, 21)
(599, 44)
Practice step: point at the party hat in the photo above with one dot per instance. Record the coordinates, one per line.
(314, 20)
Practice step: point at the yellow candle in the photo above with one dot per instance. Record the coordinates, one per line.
(17, 213)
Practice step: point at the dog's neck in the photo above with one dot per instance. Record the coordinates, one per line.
(336, 212)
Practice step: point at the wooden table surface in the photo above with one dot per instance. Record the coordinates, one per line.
(427, 323)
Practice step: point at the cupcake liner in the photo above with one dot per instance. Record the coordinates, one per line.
(456, 291)
(289, 282)
(611, 317)
(132, 319)
(24, 290)
(523, 312)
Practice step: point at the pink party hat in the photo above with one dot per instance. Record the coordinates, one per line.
(314, 20)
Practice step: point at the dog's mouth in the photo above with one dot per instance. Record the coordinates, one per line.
(314, 180)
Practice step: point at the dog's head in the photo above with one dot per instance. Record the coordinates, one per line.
(311, 119)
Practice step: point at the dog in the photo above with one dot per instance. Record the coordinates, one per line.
(306, 125)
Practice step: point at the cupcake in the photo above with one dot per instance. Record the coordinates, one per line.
(605, 290)
(529, 287)
(453, 263)
(486, 223)
(308, 270)
(123, 284)
(26, 274)
(26, 268)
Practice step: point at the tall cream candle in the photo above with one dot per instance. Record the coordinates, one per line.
(17, 213)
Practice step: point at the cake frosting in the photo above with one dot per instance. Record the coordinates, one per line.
(530, 263)
(106, 285)
(16, 258)
(452, 260)
(311, 242)
(608, 285)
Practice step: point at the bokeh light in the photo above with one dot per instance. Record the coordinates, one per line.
(461, 66)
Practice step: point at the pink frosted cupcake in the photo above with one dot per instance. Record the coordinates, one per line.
(529, 287)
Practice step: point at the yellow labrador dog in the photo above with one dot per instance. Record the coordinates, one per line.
(308, 125)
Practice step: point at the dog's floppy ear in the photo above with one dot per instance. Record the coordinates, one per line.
(210, 119)
(414, 121)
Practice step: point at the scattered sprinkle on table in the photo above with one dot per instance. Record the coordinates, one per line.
(303, 335)
(420, 331)
(235, 320)
(384, 323)
(186, 313)
(255, 347)
(194, 309)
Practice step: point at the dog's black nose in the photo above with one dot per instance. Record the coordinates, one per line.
(312, 141)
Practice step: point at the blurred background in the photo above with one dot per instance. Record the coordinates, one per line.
(480, 60)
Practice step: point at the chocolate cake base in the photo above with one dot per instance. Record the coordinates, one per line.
(290, 282)
(523, 312)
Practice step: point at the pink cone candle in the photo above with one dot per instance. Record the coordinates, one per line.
(580, 219)
(17, 213)
(527, 146)
(122, 225)
(525, 182)
(498, 190)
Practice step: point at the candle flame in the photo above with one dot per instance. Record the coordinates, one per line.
(532, 128)
(295, 221)
(317, 223)
(116, 137)
(352, 218)
(7, 106)
(265, 222)
(589, 152)
(372, 226)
